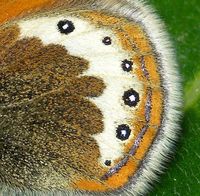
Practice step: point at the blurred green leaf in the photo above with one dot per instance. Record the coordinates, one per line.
(182, 18)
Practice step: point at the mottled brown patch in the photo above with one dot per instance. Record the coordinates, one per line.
(46, 120)
(8, 37)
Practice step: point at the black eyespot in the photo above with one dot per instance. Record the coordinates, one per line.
(65, 26)
(108, 162)
(107, 41)
(127, 65)
(123, 132)
(131, 98)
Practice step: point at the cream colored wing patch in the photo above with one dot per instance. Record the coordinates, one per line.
(105, 60)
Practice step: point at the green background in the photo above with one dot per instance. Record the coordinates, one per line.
(182, 19)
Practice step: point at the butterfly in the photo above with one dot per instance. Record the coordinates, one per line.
(90, 97)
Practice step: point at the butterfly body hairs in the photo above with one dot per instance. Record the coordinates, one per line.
(90, 98)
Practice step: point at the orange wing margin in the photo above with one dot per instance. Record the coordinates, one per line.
(11, 9)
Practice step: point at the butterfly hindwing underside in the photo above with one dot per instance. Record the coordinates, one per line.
(89, 99)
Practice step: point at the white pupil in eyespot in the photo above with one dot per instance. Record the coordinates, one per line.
(65, 26)
(127, 65)
(132, 98)
(123, 132)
